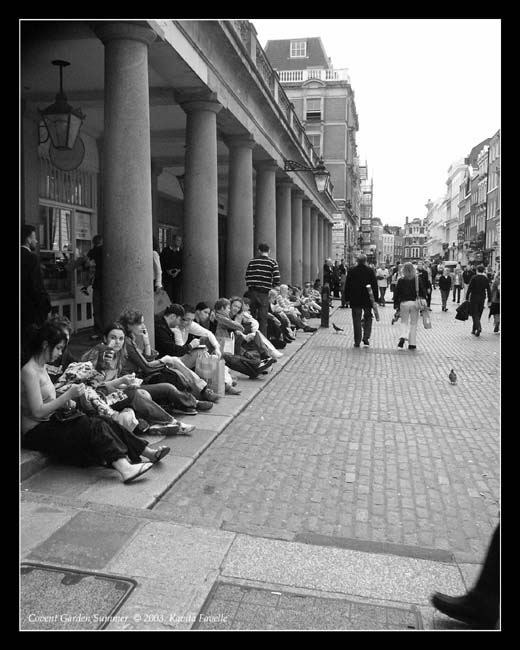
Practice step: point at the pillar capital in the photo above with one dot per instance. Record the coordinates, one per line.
(198, 100)
(285, 184)
(238, 141)
(266, 165)
(307, 203)
(111, 31)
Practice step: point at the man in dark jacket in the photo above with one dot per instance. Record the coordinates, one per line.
(477, 290)
(467, 274)
(35, 303)
(356, 294)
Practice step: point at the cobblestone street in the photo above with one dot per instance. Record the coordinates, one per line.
(368, 445)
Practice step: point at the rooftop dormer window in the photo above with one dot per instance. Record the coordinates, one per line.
(298, 49)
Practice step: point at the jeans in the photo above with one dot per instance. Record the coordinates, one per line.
(238, 363)
(163, 393)
(356, 322)
(475, 310)
(259, 306)
(445, 294)
(456, 290)
(409, 319)
(85, 441)
(382, 291)
(195, 383)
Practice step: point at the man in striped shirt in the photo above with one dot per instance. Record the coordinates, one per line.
(262, 274)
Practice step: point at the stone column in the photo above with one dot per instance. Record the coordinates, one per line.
(321, 250)
(240, 213)
(296, 237)
(265, 213)
(306, 239)
(127, 231)
(200, 254)
(156, 172)
(283, 231)
(315, 272)
(329, 239)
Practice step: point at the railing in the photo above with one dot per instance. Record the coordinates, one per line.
(298, 76)
(245, 32)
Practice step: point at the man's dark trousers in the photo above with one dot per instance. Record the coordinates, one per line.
(366, 312)
(259, 305)
(476, 309)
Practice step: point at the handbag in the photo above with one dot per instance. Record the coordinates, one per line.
(462, 311)
(161, 300)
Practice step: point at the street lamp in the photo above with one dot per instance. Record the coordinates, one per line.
(61, 120)
(321, 175)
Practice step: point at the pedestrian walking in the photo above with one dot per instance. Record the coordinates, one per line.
(382, 283)
(262, 274)
(35, 303)
(95, 256)
(479, 607)
(445, 284)
(477, 291)
(357, 296)
(408, 289)
(423, 273)
(494, 309)
(467, 274)
(171, 264)
(457, 282)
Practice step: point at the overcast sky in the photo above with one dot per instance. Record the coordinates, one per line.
(426, 91)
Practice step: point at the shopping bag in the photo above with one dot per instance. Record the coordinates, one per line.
(425, 313)
(462, 311)
(203, 365)
(217, 378)
(161, 300)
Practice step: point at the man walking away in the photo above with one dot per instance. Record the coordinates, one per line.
(262, 274)
(35, 303)
(477, 290)
(356, 294)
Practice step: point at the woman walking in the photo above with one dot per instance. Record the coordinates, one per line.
(494, 309)
(405, 295)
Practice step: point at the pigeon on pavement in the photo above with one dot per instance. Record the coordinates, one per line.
(336, 328)
(452, 376)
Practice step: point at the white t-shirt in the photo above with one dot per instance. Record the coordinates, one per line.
(382, 281)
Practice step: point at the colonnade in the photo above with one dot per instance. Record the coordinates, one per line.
(299, 235)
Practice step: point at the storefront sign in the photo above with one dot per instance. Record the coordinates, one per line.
(83, 229)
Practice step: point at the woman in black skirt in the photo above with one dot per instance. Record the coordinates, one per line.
(81, 440)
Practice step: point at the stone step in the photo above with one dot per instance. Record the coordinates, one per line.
(32, 462)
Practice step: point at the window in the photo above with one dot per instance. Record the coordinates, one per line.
(315, 140)
(298, 49)
(313, 111)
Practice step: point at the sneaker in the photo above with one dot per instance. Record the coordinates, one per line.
(263, 365)
(209, 395)
(412, 347)
(366, 342)
(180, 411)
(231, 390)
(401, 343)
(356, 345)
(309, 329)
(203, 405)
(185, 429)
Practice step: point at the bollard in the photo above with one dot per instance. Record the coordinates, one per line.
(325, 305)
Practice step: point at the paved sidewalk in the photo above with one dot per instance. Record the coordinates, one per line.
(359, 475)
